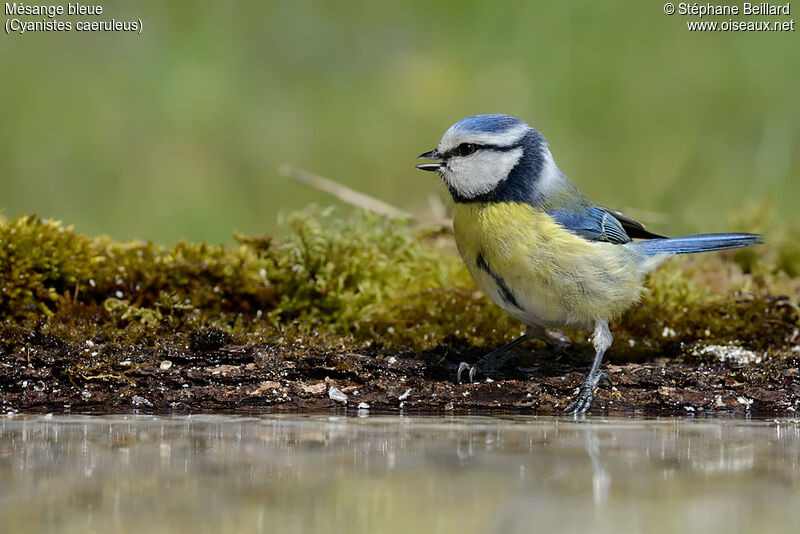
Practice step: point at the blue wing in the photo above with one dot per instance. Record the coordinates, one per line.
(632, 227)
(602, 224)
(592, 223)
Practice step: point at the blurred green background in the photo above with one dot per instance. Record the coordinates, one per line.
(178, 132)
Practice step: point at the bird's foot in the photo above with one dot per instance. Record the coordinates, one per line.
(487, 364)
(582, 404)
(464, 366)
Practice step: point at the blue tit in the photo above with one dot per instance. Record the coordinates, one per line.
(540, 249)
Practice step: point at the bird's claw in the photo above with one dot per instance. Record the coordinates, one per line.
(603, 377)
(487, 364)
(461, 368)
(582, 404)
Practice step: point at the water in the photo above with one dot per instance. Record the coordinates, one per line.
(389, 474)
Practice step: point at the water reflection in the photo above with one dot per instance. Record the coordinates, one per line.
(396, 474)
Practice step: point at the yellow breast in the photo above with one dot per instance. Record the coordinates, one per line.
(541, 273)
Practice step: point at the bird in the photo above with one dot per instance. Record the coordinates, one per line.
(538, 248)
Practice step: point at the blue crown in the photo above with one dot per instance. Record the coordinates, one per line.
(492, 123)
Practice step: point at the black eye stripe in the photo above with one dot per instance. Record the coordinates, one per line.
(455, 151)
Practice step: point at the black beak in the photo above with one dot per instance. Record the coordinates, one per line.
(433, 154)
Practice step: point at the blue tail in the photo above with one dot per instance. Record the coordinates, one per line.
(696, 243)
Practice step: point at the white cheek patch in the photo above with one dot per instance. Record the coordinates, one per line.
(481, 172)
(455, 136)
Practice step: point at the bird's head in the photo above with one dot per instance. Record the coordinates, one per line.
(481, 154)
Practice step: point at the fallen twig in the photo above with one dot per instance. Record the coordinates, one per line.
(345, 194)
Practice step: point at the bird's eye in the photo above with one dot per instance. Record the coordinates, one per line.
(465, 149)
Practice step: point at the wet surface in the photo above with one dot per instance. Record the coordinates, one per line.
(371, 473)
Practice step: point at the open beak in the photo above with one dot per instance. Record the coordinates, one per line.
(433, 154)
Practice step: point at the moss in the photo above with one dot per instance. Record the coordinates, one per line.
(126, 311)
(346, 280)
(376, 279)
(39, 260)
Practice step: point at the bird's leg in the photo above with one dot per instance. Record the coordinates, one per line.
(601, 339)
(492, 361)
